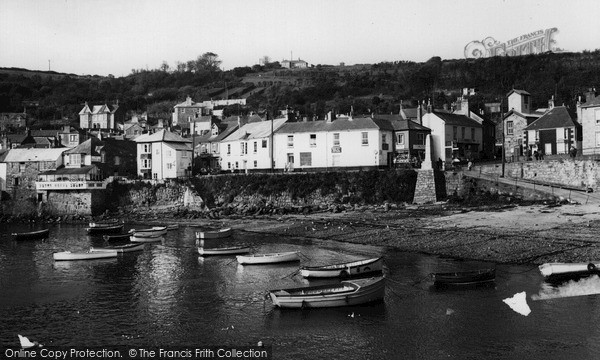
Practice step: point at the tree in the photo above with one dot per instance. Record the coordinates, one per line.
(164, 66)
(209, 62)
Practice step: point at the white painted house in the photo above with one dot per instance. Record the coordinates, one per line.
(163, 155)
(249, 147)
(341, 143)
(453, 136)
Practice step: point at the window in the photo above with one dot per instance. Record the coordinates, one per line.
(237, 165)
(169, 166)
(145, 163)
(16, 181)
(155, 176)
(473, 133)
(255, 147)
(146, 148)
(598, 139)
(72, 138)
(454, 132)
(74, 159)
(509, 128)
(537, 135)
(255, 163)
(264, 144)
(336, 139)
(241, 148)
(313, 140)
(597, 116)
(229, 165)
(305, 159)
(157, 151)
(401, 139)
(420, 139)
(384, 138)
(365, 138)
(462, 132)
(290, 142)
(182, 110)
(228, 149)
(184, 154)
(566, 136)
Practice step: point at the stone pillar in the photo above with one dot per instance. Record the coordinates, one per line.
(425, 189)
(427, 164)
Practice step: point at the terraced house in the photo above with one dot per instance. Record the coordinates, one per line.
(163, 155)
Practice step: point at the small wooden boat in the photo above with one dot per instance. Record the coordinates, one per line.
(214, 234)
(155, 230)
(117, 237)
(234, 250)
(145, 238)
(67, 255)
(31, 235)
(120, 248)
(347, 269)
(470, 277)
(271, 258)
(345, 293)
(565, 271)
(103, 228)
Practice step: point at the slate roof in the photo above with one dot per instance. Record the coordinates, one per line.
(458, 120)
(520, 92)
(339, 124)
(557, 117)
(592, 103)
(68, 171)
(161, 136)
(257, 130)
(34, 155)
(89, 147)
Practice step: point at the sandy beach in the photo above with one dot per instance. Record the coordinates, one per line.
(519, 234)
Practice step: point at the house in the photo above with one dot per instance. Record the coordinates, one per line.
(163, 155)
(13, 141)
(250, 146)
(294, 64)
(70, 137)
(488, 140)
(133, 129)
(46, 138)
(520, 115)
(408, 140)
(453, 136)
(588, 114)
(13, 120)
(187, 111)
(19, 170)
(345, 142)
(101, 117)
(553, 133)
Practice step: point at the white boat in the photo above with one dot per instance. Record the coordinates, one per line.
(214, 234)
(101, 228)
(234, 250)
(271, 258)
(145, 238)
(67, 255)
(345, 293)
(120, 248)
(155, 230)
(352, 268)
(568, 270)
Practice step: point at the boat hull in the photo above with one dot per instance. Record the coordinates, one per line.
(347, 293)
(121, 248)
(71, 256)
(464, 277)
(564, 271)
(31, 235)
(223, 251)
(155, 231)
(120, 237)
(354, 268)
(146, 238)
(218, 234)
(104, 229)
(273, 258)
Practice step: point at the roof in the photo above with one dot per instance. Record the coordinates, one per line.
(557, 117)
(88, 147)
(401, 125)
(66, 171)
(46, 133)
(520, 92)
(592, 103)
(180, 146)
(161, 136)
(256, 130)
(34, 155)
(339, 124)
(527, 116)
(458, 120)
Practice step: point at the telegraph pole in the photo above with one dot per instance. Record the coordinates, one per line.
(503, 139)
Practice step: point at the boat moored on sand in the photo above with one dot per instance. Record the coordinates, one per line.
(347, 269)
(89, 255)
(271, 258)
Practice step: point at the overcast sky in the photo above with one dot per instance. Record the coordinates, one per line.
(115, 36)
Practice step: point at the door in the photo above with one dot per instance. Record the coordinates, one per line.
(548, 149)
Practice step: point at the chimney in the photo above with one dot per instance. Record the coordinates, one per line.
(329, 117)
(551, 103)
(429, 108)
(419, 114)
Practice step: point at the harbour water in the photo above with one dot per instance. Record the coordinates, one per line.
(167, 295)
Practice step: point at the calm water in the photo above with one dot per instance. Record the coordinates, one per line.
(168, 295)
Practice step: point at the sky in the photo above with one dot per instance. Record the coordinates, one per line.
(101, 37)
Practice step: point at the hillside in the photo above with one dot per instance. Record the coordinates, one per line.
(366, 88)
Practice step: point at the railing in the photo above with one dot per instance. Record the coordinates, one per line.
(70, 185)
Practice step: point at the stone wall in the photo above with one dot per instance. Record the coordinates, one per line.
(472, 186)
(572, 172)
(83, 203)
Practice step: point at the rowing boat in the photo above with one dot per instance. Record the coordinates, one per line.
(564, 271)
(31, 235)
(224, 251)
(120, 248)
(353, 268)
(118, 237)
(345, 293)
(145, 238)
(272, 258)
(104, 228)
(469, 277)
(67, 255)
(214, 234)
(155, 230)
